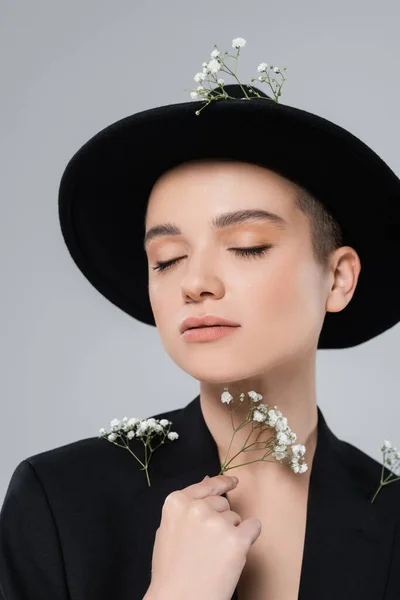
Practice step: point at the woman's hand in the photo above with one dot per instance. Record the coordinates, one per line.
(201, 545)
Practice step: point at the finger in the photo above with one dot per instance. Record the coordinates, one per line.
(250, 530)
(218, 503)
(210, 487)
(231, 517)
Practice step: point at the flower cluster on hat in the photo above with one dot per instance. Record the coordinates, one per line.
(147, 430)
(209, 77)
(280, 445)
(391, 460)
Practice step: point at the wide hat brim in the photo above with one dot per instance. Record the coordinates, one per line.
(105, 187)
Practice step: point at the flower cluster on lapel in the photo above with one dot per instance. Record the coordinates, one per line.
(147, 430)
(391, 460)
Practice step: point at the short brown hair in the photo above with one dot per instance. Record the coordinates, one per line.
(326, 233)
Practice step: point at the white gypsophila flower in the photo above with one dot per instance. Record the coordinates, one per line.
(199, 77)
(114, 424)
(292, 437)
(386, 445)
(102, 431)
(221, 82)
(131, 434)
(262, 67)
(164, 422)
(279, 456)
(203, 64)
(241, 397)
(173, 435)
(199, 93)
(272, 417)
(281, 424)
(276, 69)
(391, 459)
(254, 396)
(283, 438)
(280, 452)
(124, 426)
(238, 43)
(214, 66)
(299, 468)
(258, 416)
(133, 421)
(226, 397)
(143, 426)
(215, 53)
(112, 437)
(298, 450)
(262, 78)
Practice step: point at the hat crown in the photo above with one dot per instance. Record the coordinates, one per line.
(235, 90)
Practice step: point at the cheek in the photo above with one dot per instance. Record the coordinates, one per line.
(160, 300)
(285, 300)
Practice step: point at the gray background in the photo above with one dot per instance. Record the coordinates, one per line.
(70, 359)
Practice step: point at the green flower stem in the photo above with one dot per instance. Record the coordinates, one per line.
(243, 464)
(229, 71)
(147, 460)
(384, 482)
(393, 480)
(244, 449)
(130, 452)
(235, 430)
(376, 493)
(270, 85)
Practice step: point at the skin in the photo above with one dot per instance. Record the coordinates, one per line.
(280, 300)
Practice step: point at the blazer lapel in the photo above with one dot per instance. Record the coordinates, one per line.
(347, 542)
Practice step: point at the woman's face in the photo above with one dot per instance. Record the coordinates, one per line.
(277, 297)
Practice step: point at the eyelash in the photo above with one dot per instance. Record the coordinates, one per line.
(244, 252)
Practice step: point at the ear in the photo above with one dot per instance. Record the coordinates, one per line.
(346, 267)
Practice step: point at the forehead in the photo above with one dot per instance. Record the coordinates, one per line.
(212, 185)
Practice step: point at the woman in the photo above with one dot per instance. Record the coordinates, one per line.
(263, 215)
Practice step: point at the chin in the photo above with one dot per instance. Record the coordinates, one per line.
(213, 372)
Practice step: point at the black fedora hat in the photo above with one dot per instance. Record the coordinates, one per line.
(105, 188)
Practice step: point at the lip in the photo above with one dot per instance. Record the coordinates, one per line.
(206, 320)
(207, 334)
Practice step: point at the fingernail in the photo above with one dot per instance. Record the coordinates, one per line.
(235, 479)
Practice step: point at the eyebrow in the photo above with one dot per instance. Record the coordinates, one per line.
(223, 220)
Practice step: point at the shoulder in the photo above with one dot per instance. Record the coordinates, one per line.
(367, 473)
(87, 464)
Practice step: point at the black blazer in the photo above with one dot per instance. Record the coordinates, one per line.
(78, 522)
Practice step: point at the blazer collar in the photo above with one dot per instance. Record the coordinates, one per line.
(347, 541)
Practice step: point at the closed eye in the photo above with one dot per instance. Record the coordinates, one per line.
(244, 252)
